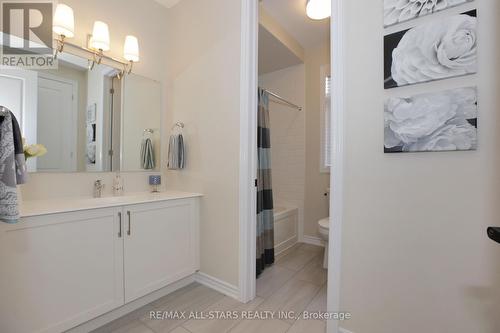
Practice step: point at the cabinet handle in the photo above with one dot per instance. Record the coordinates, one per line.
(120, 224)
(128, 231)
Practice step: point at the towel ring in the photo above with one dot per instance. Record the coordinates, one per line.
(148, 133)
(178, 125)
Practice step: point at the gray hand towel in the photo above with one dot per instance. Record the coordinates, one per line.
(176, 160)
(147, 154)
(13, 169)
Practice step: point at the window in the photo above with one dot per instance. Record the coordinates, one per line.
(326, 84)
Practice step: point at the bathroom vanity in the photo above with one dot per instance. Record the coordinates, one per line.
(72, 259)
(69, 261)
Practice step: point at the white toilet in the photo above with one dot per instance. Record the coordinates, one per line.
(324, 230)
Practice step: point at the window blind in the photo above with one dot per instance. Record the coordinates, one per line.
(327, 149)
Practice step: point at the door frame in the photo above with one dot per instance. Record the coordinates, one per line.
(248, 149)
(248, 153)
(338, 112)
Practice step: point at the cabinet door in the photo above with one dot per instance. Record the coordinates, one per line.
(58, 271)
(161, 245)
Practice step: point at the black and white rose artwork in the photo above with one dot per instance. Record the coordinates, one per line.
(397, 11)
(436, 50)
(443, 121)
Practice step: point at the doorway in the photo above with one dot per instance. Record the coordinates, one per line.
(249, 103)
(57, 104)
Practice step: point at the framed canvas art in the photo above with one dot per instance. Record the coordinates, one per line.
(397, 11)
(438, 121)
(435, 50)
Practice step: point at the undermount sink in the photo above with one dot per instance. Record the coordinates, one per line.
(52, 206)
(109, 199)
(104, 201)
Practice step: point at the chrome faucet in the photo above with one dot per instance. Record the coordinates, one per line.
(98, 187)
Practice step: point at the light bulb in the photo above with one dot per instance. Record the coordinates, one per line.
(64, 21)
(100, 36)
(319, 9)
(131, 49)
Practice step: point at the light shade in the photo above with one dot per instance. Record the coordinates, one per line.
(64, 21)
(319, 9)
(131, 49)
(100, 36)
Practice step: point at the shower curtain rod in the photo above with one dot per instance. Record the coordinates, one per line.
(283, 100)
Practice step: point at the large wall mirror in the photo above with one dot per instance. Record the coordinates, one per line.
(89, 120)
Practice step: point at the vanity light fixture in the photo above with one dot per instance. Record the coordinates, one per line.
(100, 37)
(318, 9)
(131, 51)
(97, 43)
(63, 26)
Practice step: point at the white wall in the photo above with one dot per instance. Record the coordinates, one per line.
(141, 110)
(288, 137)
(203, 92)
(316, 204)
(415, 256)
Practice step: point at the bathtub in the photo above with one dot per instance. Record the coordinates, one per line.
(285, 227)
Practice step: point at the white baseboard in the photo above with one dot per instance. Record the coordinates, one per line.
(343, 330)
(282, 247)
(218, 285)
(313, 240)
(132, 306)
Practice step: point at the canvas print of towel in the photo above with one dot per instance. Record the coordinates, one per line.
(438, 121)
(436, 50)
(397, 11)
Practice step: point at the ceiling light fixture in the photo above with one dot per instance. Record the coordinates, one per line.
(318, 9)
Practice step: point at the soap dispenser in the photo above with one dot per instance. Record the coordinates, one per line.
(118, 185)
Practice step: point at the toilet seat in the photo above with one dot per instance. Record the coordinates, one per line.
(325, 223)
(324, 232)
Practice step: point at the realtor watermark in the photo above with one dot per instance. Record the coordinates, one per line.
(248, 315)
(27, 34)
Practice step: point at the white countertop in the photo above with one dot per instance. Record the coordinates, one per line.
(31, 208)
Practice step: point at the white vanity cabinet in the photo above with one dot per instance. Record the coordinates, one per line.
(161, 245)
(60, 270)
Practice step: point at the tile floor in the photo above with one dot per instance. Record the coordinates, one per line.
(296, 282)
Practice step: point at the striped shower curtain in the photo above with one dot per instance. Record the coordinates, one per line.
(265, 217)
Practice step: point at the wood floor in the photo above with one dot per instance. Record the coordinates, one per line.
(296, 282)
